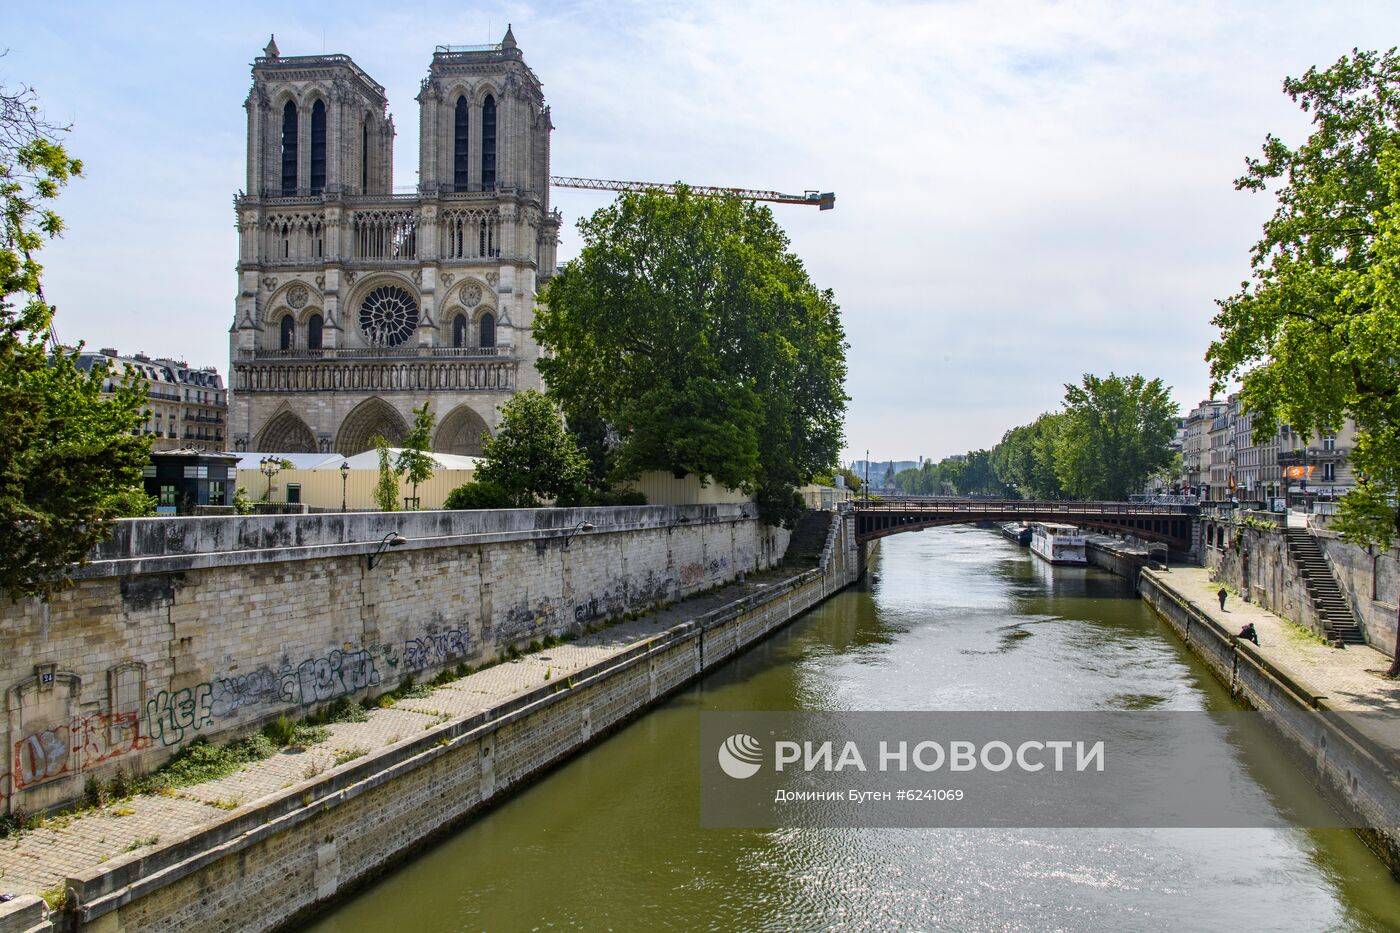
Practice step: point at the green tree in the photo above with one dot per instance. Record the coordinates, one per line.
(415, 460)
(1115, 434)
(688, 327)
(531, 456)
(1312, 335)
(386, 491)
(978, 478)
(69, 465)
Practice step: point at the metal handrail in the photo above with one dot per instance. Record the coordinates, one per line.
(947, 505)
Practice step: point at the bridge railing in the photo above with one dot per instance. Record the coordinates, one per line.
(1022, 507)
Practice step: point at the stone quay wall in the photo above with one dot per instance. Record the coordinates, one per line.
(272, 862)
(1354, 768)
(1255, 561)
(210, 627)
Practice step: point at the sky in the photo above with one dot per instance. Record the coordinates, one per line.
(1025, 191)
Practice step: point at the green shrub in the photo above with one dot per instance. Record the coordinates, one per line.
(280, 732)
(200, 761)
(478, 495)
(341, 709)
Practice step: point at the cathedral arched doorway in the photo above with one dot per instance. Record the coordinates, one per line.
(462, 432)
(286, 434)
(372, 416)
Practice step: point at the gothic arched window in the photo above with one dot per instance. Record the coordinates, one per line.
(289, 149)
(488, 143)
(488, 331)
(318, 147)
(289, 332)
(461, 158)
(313, 332)
(459, 331)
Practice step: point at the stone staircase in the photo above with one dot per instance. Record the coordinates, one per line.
(808, 538)
(1331, 606)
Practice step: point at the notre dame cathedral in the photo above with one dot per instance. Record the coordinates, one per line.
(356, 303)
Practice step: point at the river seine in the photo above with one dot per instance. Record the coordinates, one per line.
(957, 619)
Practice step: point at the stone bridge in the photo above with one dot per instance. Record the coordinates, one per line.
(1172, 525)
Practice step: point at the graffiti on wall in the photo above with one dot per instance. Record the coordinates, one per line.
(69, 747)
(438, 648)
(172, 716)
(699, 571)
(231, 693)
(319, 679)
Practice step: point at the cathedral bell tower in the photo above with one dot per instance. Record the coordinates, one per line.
(357, 304)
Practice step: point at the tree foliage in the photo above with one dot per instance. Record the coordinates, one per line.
(69, 464)
(386, 490)
(690, 330)
(479, 494)
(415, 460)
(531, 456)
(1025, 458)
(1115, 435)
(1313, 334)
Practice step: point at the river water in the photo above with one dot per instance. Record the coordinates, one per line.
(958, 619)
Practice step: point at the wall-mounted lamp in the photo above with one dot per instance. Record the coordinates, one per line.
(581, 526)
(682, 520)
(392, 539)
(744, 513)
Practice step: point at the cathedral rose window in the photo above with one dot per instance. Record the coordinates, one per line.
(388, 316)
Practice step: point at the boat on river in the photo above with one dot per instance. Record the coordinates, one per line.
(1058, 544)
(1019, 532)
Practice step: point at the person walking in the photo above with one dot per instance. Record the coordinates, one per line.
(1222, 595)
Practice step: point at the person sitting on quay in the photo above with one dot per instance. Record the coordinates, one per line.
(1249, 634)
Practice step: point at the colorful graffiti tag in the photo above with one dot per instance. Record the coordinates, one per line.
(70, 747)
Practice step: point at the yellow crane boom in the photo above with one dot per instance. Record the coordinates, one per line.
(822, 200)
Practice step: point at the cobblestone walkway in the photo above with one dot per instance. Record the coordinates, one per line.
(41, 858)
(1351, 679)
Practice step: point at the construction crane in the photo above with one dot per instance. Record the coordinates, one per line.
(824, 201)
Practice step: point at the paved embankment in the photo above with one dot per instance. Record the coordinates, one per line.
(259, 848)
(1291, 677)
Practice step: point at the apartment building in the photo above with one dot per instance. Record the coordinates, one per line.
(186, 407)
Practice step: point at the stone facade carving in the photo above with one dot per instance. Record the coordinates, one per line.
(331, 367)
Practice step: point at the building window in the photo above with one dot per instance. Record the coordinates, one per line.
(167, 495)
(216, 492)
(294, 492)
(289, 330)
(488, 143)
(461, 158)
(388, 316)
(1329, 472)
(1329, 442)
(459, 331)
(318, 147)
(289, 149)
(488, 331)
(313, 332)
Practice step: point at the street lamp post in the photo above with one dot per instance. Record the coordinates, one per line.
(270, 466)
(344, 481)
